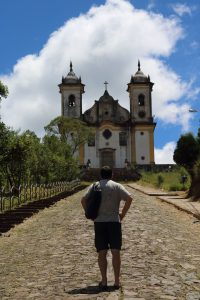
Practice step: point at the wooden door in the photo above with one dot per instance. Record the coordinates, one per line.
(107, 158)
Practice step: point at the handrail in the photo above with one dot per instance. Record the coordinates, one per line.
(25, 193)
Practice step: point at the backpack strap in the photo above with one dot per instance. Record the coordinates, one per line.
(97, 186)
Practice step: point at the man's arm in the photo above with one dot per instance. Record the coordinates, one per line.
(84, 198)
(126, 207)
(83, 202)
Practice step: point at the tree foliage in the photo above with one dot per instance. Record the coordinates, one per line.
(187, 151)
(3, 91)
(187, 154)
(61, 164)
(74, 132)
(26, 158)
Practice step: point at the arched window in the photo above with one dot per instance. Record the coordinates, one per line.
(123, 138)
(91, 141)
(71, 102)
(141, 100)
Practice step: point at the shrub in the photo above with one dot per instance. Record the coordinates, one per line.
(160, 180)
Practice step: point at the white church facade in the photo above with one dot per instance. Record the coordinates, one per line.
(122, 137)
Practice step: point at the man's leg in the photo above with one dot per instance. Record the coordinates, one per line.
(102, 261)
(116, 262)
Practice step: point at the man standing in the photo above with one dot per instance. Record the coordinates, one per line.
(107, 225)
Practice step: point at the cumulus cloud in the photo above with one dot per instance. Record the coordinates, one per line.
(165, 154)
(103, 44)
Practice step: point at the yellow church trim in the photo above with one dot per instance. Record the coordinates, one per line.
(109, 125)
(62, 106)
(81, 154)
(133, 152)
(151, 145)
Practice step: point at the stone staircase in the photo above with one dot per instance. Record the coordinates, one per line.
(9, 219)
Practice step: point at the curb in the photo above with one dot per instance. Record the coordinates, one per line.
(179, 207)
(162, 196)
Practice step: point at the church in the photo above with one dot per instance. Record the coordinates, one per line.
(122, 137)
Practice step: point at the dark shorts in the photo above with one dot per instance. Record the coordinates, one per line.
(108, 235)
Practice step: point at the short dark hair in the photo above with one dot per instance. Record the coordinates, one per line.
(106, 172)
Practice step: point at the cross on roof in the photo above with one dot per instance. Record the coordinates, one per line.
(106, 83)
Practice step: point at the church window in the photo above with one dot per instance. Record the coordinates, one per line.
(91, 141)
(107, 134)
(141, 100)
(141, 114)
(122, 138)
(71, 101)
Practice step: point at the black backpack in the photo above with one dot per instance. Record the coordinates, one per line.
(93, 202)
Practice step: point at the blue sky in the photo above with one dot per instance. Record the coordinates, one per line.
(104, 39)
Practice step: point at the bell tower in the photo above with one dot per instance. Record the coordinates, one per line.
(71, 89)
(142, 123)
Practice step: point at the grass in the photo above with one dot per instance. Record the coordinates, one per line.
(169, 181)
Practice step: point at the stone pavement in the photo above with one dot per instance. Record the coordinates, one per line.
(51, 255)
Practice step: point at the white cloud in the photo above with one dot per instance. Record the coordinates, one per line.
(104, 44)
(182, 9)
(165, 155)
(176, 114)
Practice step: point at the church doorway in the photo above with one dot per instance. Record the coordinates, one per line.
(107, 157)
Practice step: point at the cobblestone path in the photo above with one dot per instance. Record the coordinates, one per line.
(51, 255)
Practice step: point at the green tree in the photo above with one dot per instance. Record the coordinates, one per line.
(62, 165)
(198, 136)
(5, 140)
(3, 91)
(33, 156)
(16, 156)
(187, 154)
(16, 163)
(25, 158)
(72, 131)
